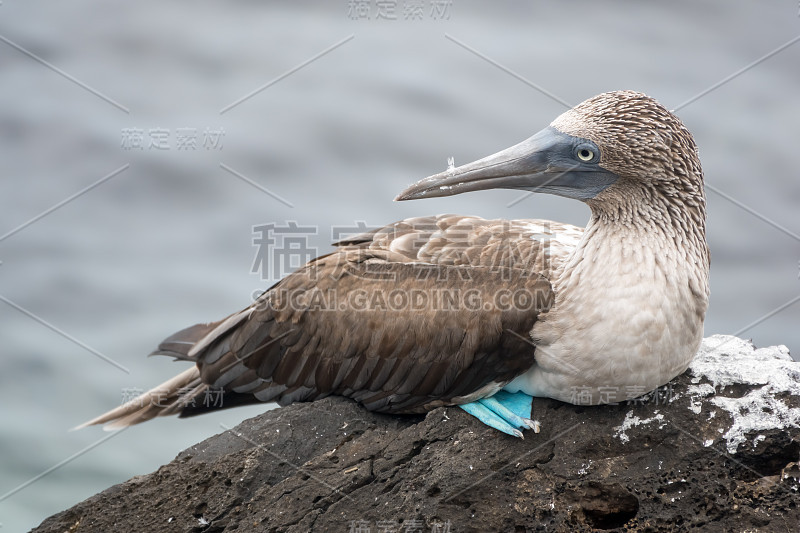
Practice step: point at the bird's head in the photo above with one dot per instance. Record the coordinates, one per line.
(604, 151)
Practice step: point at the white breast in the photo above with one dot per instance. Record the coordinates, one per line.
(627, 318)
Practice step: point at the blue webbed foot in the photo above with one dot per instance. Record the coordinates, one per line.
(506, 412)
(517, 402)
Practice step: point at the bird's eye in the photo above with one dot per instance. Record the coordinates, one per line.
(585, 154)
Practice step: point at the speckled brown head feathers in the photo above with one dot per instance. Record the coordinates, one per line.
(638, 137)
(648, 147)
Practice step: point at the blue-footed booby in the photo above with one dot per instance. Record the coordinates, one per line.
(484, 314)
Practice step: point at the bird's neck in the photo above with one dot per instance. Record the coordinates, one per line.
(644, 238)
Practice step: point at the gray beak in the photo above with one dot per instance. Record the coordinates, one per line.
(547, 162)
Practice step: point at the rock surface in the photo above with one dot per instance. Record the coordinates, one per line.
(716, 450)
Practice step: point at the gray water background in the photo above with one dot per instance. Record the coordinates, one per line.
(167, 242)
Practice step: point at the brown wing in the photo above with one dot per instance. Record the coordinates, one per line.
(397, 337)
(426, 312)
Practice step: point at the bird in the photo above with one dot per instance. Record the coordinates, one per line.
(453, 310)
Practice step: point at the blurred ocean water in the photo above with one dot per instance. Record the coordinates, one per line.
(346, 108)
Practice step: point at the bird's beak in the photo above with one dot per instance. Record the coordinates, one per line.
(545, 162)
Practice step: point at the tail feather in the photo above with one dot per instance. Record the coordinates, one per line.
(178, 395)
(169, 398)
(215, 331)
(180, 344)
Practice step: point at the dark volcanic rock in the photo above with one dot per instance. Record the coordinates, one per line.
(717, 450)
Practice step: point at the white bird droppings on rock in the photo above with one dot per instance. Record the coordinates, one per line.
(632, 420)
(724, 361)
